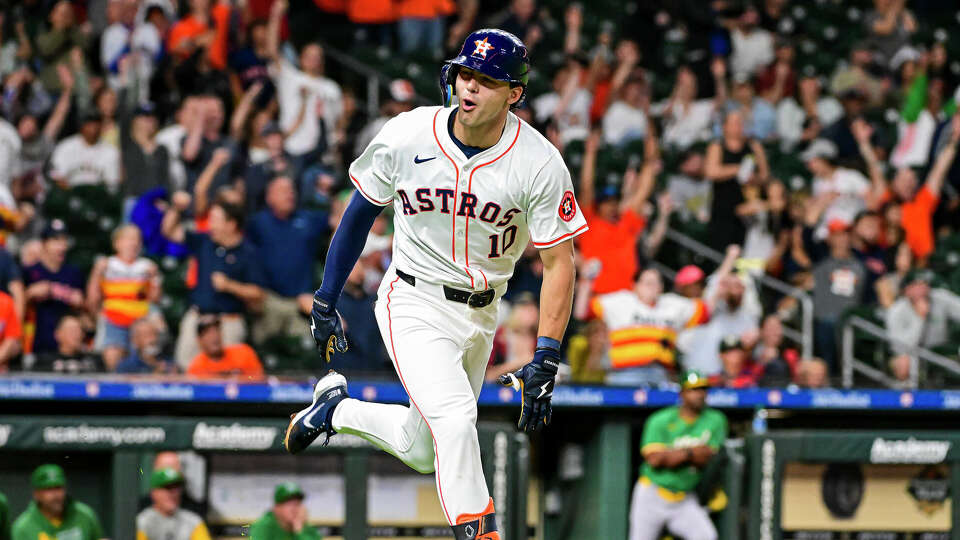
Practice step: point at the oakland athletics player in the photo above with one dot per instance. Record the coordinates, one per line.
(677, 442)
(470, 186)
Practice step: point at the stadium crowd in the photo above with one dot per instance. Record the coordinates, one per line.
(171, 174)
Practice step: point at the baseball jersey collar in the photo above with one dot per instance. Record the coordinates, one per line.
(450, 148)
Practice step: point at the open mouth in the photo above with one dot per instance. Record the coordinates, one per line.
(468, 104)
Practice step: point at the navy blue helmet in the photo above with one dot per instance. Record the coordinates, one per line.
(497, 54)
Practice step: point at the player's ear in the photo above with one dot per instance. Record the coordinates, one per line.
(516, 92)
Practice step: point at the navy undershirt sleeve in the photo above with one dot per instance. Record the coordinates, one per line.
(346, 246)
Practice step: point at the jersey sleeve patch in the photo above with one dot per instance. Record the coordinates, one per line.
(568, 207)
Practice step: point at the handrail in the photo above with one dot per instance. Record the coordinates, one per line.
(375, 79)
(916, 352)
(806, 331)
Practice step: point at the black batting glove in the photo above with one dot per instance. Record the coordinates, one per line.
(327, 328)
(535, 382)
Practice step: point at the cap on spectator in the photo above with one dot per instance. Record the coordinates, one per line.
(402, 90)
(90, 116)
(919, 275)
(55, 228)
(270, 128)
(48, 476)
(286, 491)
(693, 379)
(819, 148)
(165, 477)
(837, 225)
(730, 343)
(145, 109)
(902, 56)
(687, 275)
(205, 321)
(606, 192)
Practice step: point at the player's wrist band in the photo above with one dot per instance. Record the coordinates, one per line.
(548, 343)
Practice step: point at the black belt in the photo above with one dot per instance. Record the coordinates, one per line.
(472, 299)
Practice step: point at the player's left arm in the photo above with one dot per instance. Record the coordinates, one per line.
(556, 292)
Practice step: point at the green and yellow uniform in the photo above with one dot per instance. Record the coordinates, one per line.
(267, 528)
(79, 522)
(666, 429)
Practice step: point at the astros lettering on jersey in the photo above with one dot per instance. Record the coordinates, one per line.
(465, 222)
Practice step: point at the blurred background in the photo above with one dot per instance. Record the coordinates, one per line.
(774, 210)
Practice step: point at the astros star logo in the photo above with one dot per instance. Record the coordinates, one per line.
(482, 48)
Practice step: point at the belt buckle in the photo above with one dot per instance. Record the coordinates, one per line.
(480, 299)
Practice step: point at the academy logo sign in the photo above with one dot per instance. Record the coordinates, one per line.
(233, 437)
(908, 451)
(100, 435)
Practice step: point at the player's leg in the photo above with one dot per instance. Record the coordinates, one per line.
(648, 513)
(690, 520)
(395, 429)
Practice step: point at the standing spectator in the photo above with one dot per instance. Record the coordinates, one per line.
(289, 244)
(800, 120)
(841, 192)
(277, 163)
(759, 117)
(11, 282)
(115, 40)
(10, 148)
(686, 119)
(287, 520)
(732, 162)
(71, 356)
(63, 38)
(36, 144)
(218, 360)
(165, 520)
(921, 317)
(568, 106)
(229, 272)
(11, 334)
(839, 282)
(840, 133)
(689, 281)
(865, 243)
(202, 32)
(626, 119)
(614, 224)
(778, 80)
(146, 163)
(84, 159)
(888, 287)
(120, 290)
(146, 43)
(678, 442)
(172, 136)
(202, 140)
(688, 189)
(890, 24)
(422, 25)
(752, 45)
(251, 61)
(145, 355)
(643, 325)
(520, 20)
(322, 95)
(735, 369)
(52, 514)
(857, 75)
(53, 287)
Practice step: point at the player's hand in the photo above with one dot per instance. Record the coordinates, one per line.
(535, 382)
(327, 328)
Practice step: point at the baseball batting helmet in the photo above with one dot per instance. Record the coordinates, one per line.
(497, 54)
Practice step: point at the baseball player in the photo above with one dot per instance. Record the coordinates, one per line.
(677, 443)
(470, 186)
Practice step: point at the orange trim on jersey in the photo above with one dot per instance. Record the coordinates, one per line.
(582, 228)
(365, 194)
(466, 241)
(456, 194)
(700, 315)
(396, 365)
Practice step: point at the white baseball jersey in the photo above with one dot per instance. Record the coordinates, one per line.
(465, 222)
(79, 163)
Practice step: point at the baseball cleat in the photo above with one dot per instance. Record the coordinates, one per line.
(306, 425)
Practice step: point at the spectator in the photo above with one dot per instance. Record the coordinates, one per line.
(732, 162)
(84, 159)
(735, 371)
(752, 45)
(172, 136)
(202, 32)
(278, 163)
(63, 38)
(71, 355)
(568, 106)
(614, 224)
(689, 281)
(11, 334)
(813, 373)
(146, 356)
(840, 133)
(203, 139)
(11, 282)
(686, 119)
(146, 162)
(422, 25)
(367, 351)
(677, 444)
(171, 460)
(688, 189)
(322, 96)
(288, 518)
(857, 75)
(838, 285)
(865, 244)
(120, 290)
(250, 62)
(922, 104)
(520, 338)
(36, 144)
(165, 519)
(839, 191)
(146, 43)
(10, 145)
(775, 361)
(520, 20)
(217, 360)
(115, 40)
(888, 287)
(229, 272)
(890, 25)
(52, 514)
(778, 80)
(921, 317)
(626, 119)
(799, 121)
(758, 115)
(289, 245)
(53, 286)
(587, 354)
(643, 325)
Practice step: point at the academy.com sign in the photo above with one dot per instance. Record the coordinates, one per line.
(235, 436)
(98, 435)
(908, 451)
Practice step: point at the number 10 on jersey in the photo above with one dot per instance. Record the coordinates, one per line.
(504, 239)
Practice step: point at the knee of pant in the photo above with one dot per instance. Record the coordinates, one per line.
(421, 458)
(459, 429)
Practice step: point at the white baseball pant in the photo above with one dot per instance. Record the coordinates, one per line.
(440, 351)
(649, 513)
